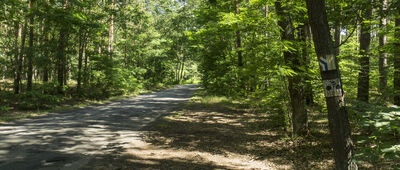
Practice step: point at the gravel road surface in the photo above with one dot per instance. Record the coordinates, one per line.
(70, 139)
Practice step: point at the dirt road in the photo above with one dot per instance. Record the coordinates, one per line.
(71, 139)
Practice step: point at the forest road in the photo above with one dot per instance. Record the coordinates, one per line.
(70, 139)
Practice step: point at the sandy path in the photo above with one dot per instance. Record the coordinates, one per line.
(71, 139)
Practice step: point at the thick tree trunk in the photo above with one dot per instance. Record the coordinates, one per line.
(30, 52)
(339, 125)
(238, 37)
(296, 82)
(61, 60)
(365, 41)
(382, 55)
(397, 60)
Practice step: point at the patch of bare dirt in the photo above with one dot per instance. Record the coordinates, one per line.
(222, 136)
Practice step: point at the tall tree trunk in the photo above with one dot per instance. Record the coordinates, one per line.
(339, 125)
(238, 37)
(177, 68)
(61, 61)
(397, 59)
(183, 66)
(382, 55)
(86, 71)
(17, 80)
(46, 52)
(296, 82)
(18, 32)
(31, 49)
(338, 38)
(111, 30)
(365, 41)
(305, 38)
(80, 58)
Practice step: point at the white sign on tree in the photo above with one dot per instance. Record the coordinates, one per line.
(332, 88)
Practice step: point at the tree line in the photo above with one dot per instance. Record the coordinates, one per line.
(95, 48)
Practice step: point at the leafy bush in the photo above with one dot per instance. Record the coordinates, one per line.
(35, 100)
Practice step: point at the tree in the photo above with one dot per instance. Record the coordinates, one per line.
(238, 37)
(30, 53)
(339, 125)
(397, 57)
(61, 58)
(383, 72)
(365, 41)
(294, 61)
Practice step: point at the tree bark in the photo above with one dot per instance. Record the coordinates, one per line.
(365, 41)
(296, 82)
(80, 58)
(30, 52)
(61, 60)
(238, 37)
(46, 52)
(397, 59)
(382, 55)
(86, 71)
(17, 80)
(18, 34)
(339, 125)
(305, 38)
(338, 38)
(111, 30)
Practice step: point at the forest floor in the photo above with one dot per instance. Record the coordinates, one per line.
(217, 133)
(208, 132)
(212, 132)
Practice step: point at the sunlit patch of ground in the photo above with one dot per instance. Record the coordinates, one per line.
(216, 133)
(219, 135)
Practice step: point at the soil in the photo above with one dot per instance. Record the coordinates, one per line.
(222, 136)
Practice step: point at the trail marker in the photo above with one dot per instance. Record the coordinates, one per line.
(327, 63)
(332, 88)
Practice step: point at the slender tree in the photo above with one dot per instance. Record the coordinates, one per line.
(397, 57)
(21, 54)
(238, 37)
(382, 54)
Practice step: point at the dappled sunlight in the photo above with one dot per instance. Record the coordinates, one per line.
(254, 138)
(71, 138)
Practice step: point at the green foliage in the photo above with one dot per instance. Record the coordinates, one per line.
(380, 131)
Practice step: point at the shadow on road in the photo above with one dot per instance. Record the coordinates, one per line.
(70, 139)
